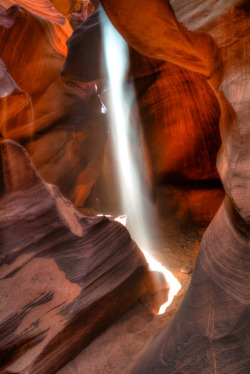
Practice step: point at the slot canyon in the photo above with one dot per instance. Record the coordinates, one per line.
(124, 187)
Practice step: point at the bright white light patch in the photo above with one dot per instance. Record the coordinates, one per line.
(170, 279)
(122, 220)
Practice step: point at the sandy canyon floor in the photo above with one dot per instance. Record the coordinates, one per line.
(118, 348)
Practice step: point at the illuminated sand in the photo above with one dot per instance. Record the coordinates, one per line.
(117, 349)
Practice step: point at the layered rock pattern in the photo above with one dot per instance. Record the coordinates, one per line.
(64, 277)
(42, 8)
(182, 142)
(59, 121)
(63, 127)
(176, 110)
(53, 10)
(179, 115)
(210, 333)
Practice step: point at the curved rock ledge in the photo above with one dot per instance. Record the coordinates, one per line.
(64, 277)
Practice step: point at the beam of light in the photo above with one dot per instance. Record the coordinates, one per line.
(171, 280)
(128, 152)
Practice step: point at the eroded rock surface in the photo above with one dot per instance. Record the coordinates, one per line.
(42, 8)
(62, 125)
(64, 277)
(58, 120)
(176, 110)
(210, 332)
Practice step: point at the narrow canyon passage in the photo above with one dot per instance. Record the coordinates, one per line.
(133, 111)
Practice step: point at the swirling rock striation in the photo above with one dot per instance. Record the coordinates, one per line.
(42, 8)
(64, 277)
(175, 108)
(58, 120)
(181, 141)
(62, 125)
(210, 332)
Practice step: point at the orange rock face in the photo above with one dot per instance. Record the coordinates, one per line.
(175, 108)
(179, 114)
(65, 134)
(59, 121)
(209, 332)
(42, 8)
(195, 72)
(27, 59)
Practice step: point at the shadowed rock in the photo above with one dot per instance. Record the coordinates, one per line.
(176, 110)
(63, 127)
(210, 332)
(59, 121)
(64, 277)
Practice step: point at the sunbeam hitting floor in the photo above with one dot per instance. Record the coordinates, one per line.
(118, 348)
(127, 147)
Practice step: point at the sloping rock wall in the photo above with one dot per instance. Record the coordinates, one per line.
(176, 110)
(64, 277)
(210, 333)
(59, 121)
